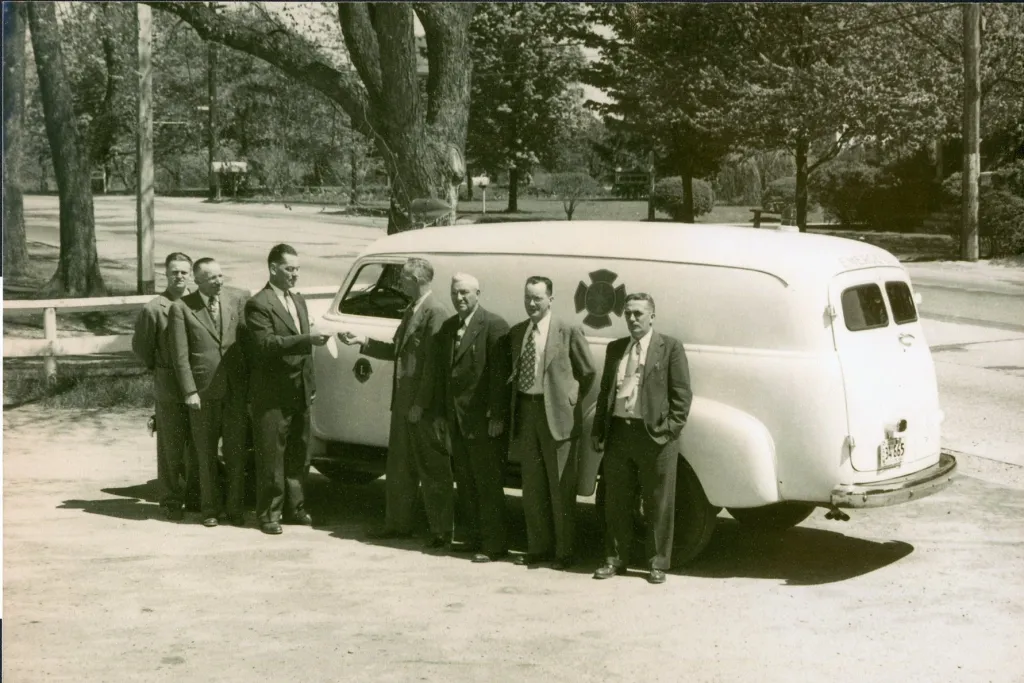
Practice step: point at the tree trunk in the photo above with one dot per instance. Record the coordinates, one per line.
(802, 147)
(513, 189)
(211, 127)
(469, 185)
(686, 174)
(78, 271)
(14, 245)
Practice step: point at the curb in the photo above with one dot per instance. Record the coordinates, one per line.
(986, 469)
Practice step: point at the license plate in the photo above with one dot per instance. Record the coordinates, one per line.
(890, 453)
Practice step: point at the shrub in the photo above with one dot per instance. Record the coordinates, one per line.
(780, 197)
(668, 197)
(1000, 216)
(571, 188)
(846, 191)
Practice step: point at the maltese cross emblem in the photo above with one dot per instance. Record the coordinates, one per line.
(600, 299)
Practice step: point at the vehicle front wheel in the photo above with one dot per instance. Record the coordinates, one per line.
(695, 517)
(774, 517)
(342, 475)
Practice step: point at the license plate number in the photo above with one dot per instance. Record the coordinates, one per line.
(890, 453)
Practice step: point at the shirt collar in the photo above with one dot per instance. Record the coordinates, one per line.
(419, 302)
(543, 324)
(644, 343)
(281, 294)
(465, 323)
(205, 299)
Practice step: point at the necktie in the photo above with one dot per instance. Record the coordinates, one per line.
(215, 310)
(631, 380)
(289, 303)
(458, 336)
(528, 360)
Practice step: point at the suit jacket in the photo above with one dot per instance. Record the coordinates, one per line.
(152, 346)
(665, 394)
(468, 381)
(568, 375)
(280, 355)
(206, 359)
(411, 348)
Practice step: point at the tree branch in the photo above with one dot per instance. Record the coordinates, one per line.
(396, 42)
(923, 37)
(446, 26)
(361, 41)
(283, 49)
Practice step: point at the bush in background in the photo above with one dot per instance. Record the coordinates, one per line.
(572, 188)
(668, 197)
(845, 191)
(1000, 213)
(780, 197)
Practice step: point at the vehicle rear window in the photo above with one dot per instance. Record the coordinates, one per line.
(864, 308)
(375, 292)
(901, 301)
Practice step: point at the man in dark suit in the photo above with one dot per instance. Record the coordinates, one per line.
(416, 456)
(553, 372)
(281, 391)
(152, 346)
(470, 402)
(641, 409)
(210, 369)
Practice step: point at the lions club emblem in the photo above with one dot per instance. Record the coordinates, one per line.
(600, 299)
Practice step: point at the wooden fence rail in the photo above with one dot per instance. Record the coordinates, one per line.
(52, 346)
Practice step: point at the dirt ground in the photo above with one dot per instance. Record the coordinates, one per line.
(98, 586)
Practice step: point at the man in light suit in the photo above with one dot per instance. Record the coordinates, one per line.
(416, 456)
(552, 374)
(281, 391)
(641, 409)
(152, 346)
(210, 368)
(470, 402)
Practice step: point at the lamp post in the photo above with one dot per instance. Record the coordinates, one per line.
(482, 183)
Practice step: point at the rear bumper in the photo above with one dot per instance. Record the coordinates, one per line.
(898, 490)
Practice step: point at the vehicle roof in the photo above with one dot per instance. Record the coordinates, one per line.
(790, 256)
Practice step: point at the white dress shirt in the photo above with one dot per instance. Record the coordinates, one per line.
(289, 305)
(644, 343)
(541, 342)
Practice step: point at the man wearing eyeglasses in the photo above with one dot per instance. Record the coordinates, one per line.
(281, 390)
(641, 409)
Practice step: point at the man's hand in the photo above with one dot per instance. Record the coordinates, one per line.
(350, 339)
(415, 413)
(495, 427)
(597, 442)
(192, 401)
(319, 339)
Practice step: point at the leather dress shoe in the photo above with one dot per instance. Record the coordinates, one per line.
(210, 522)
(464, 547)
(384, 533)
(608, 571)
(481, 558)
(656, 576)
(272, 528)
(435, 541)
(562, 563)
(527, 559)
(301, 518)
(175, 514)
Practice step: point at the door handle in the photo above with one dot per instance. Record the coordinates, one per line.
(907, 339)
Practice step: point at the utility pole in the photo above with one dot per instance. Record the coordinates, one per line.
(144, 188)
(211, 129)
(971, 131)
(650, 186)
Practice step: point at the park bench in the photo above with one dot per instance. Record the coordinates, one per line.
(769, 215)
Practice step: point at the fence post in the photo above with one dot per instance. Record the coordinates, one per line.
(50, 333)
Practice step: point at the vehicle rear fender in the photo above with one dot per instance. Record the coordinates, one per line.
(732, 453)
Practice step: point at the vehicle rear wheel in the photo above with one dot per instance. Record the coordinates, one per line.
(774, 517)
(342, 475)
(695, 516)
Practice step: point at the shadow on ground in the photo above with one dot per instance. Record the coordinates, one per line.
(799, 557)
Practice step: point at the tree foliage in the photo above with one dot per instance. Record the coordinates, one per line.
(525, 97)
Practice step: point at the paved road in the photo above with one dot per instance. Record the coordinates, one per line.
(974, 312)
(99, 587)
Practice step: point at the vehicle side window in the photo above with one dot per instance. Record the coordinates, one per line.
(901, 301)
(375, 292)
(864, 308)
